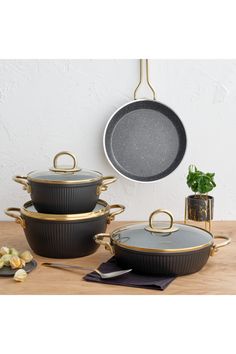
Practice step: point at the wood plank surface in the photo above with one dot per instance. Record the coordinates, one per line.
(217, 277)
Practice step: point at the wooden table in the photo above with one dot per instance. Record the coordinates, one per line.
(217, 277)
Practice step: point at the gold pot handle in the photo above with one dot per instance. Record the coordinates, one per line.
(111, 216)
(105, 182)
(23, 180)
(141, 79)
(56, 168)
(99, 240)
(215, 247)
(12, 213)
(151, 226)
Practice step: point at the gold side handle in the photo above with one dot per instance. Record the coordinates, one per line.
(111, 216)
(105, 182)
(141, 79)
(73, 168)
(23, 180)
(151, 226)
(215, 247)
(12, 213)
(107, 244)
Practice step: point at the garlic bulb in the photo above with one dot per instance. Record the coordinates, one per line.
(27, 256)
(20, 275)
(4, 250)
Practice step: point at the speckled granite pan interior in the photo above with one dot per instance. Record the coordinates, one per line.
(145, 140)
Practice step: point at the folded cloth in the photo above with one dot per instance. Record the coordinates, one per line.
(155, 282)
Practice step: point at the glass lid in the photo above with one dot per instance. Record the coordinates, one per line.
(161, 236)
(100, 209)
(65, 174)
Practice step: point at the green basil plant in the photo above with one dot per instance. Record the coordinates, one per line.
(200, 182)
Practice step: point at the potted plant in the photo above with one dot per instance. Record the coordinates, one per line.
(200, 205)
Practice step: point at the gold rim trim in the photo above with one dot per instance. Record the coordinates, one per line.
(158, 250)
(66, 217)
(82, 181)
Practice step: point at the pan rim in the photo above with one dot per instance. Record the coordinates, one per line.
(104, 210)
(160, 250)
(104, 140)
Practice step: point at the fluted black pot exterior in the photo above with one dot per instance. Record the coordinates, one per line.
(64, 198)
(63, 239)
(159, 248)
(64, 236)
(162, 263)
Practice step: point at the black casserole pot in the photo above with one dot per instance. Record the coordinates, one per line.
(172, 249)
(64, 190)
(64, 236)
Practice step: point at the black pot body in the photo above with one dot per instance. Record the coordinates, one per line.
(200, 208)
(63, 239)
(64, 198)
(162, 263)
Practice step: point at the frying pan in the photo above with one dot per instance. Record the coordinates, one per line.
(144, 140)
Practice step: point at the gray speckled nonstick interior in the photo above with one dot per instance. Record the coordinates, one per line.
(145, 140)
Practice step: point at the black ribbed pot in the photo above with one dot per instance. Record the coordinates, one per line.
(64, 236)
(200, 207)
(64, 199)
(162, 263)
(64, 239)
(64, 190)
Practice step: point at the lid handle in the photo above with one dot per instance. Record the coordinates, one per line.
(57, 168)
(151, 226)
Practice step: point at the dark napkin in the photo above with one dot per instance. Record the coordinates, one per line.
(130, 279)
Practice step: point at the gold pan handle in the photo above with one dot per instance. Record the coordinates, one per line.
(121, 209)
(99, 239)
(17, 216)
(23, 180)
(215, 247)
(105, 182)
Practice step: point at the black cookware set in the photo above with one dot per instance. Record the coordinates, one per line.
(144, 141)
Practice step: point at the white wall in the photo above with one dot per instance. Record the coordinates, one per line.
(49, 106)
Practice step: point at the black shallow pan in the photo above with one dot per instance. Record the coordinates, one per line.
(144, 140)
(159, 248)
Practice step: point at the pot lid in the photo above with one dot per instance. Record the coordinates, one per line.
(64, 174)
(162, 236)
(100, 209)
